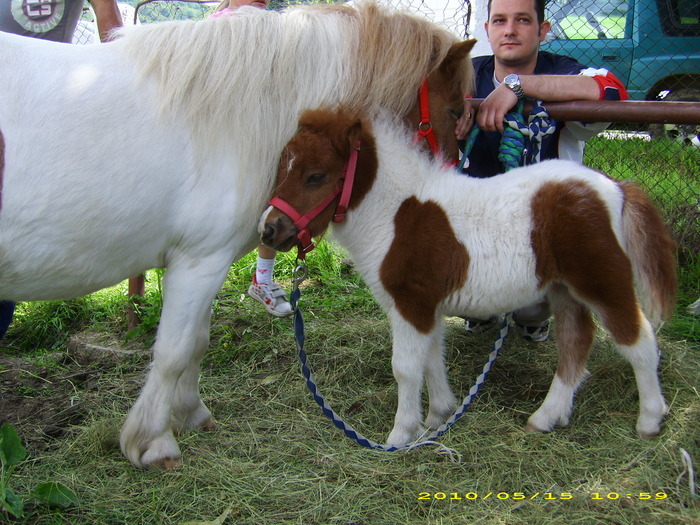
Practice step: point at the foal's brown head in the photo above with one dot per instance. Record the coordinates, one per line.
(311, 172)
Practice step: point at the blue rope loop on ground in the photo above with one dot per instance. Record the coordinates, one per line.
(350, 432)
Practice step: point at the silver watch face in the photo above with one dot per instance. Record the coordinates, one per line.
(512, 80)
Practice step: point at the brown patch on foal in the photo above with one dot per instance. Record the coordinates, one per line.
(574, 243)
(425, 262)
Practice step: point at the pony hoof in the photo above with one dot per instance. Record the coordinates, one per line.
(166, 464)
(532, 428)
(401, 438)
(649, 435)
(649, 431)
(208, 426)
(649, 425)
(434, 422)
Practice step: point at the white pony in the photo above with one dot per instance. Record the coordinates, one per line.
(430, 242)
(159, 150)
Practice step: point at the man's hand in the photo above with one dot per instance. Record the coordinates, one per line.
(465, 122)
(494, 108)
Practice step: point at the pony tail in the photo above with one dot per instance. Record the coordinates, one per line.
(652, 252)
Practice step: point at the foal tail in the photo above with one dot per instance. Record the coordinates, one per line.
(652, 252)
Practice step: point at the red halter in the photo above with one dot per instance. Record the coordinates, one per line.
(302, 221)
(425, 126)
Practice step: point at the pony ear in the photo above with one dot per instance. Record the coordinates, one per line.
(457, 52)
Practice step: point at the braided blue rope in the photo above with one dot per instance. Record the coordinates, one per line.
(350, 432)
(539, 125)
(468, 145)
(512, 148)
(520, 141)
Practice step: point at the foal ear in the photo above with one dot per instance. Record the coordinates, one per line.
(345, 134)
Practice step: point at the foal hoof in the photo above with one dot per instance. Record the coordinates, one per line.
(649, 425)
(400, 438)
(648, 435)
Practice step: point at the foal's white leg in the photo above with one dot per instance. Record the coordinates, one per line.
(146, 437)
(442, 401)
(410, 350)
(643, 355)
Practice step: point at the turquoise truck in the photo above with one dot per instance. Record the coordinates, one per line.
(652, 46)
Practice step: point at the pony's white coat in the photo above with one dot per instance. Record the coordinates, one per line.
(159, 150)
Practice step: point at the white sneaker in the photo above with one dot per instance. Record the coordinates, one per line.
(272, 298)
(474, 325)
(537, 334)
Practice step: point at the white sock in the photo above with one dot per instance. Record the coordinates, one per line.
(264, 270)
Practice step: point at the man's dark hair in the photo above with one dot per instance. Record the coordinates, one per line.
(539, 10)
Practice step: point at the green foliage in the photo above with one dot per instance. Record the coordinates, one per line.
(13, 453)
(54, 495)
(684, 325)
(148, 308)
(46, 326)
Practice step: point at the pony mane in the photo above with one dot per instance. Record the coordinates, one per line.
(241, 82)
(222, 72)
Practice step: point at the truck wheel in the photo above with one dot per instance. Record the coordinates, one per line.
(685, 133)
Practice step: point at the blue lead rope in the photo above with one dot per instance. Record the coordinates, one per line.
(350, 432)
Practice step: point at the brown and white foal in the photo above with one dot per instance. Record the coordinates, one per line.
(430, 242)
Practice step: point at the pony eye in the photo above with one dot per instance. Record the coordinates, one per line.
(316, 178)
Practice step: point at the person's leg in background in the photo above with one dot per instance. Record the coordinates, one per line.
(264, 289)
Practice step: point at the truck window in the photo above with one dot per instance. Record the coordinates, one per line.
(680, 17)
(587, 19)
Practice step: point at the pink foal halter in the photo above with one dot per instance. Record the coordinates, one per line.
(302, 221)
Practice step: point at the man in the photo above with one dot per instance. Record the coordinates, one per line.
(55, 19)
(51, 20)
(518, 69)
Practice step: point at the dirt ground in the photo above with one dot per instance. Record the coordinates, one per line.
(44, 398)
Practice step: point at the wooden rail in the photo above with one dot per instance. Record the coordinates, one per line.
(636, 111)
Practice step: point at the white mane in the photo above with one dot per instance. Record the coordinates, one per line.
(260, 69)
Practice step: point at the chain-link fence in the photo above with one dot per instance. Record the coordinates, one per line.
(653, 46)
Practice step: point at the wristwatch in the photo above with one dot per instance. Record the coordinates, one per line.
(513, 82)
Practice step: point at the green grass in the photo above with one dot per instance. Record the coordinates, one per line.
(275, 458)
(669, 171)
(576, 27)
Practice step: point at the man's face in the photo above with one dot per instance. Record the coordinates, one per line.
(513, 31)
